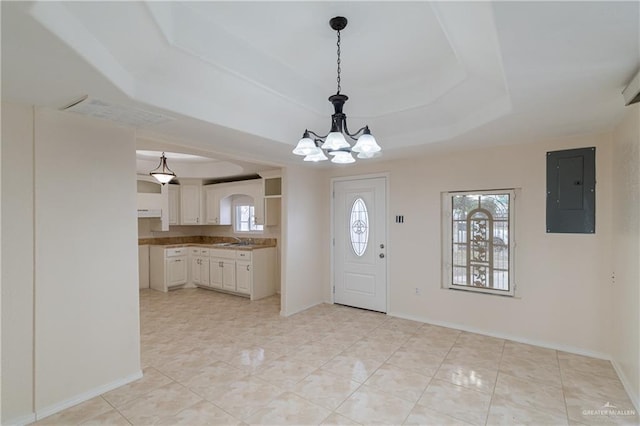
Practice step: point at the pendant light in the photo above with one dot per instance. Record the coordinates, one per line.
(313, 146)
(163, 173)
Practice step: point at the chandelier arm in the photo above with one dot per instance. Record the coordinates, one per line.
(353, 135)
(317, 135)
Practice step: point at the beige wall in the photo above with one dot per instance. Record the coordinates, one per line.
(304, 240)
(625, 330)
(562, 279)
(17, 263)
(72, 238)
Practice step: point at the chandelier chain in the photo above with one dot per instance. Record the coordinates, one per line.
(338, 79)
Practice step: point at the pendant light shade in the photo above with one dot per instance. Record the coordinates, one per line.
(305, 146)
(342, 157)
(366, 143)
(316, 156)
(163, 173)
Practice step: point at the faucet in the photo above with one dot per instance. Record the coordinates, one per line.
(237, 239)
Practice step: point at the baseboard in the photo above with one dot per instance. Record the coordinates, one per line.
(20, 421)
(519, 339)
(85, 396)
(635, 398)
(288, 314)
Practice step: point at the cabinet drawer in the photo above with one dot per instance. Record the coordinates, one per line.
(245, 255)
(193, 251)
(204, 252)
(222, 253)
(173, 252)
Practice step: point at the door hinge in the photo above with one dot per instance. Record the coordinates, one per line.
(334, 289)
(333, 241)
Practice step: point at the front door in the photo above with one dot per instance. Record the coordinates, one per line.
(360, 233)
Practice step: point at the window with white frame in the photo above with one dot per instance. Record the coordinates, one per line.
(478, 241)
(244, 217)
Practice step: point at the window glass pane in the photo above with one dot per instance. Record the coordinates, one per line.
(359, 227)
(480, 240)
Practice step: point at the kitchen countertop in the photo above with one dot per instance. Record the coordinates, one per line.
(207, 241)
(247, 247)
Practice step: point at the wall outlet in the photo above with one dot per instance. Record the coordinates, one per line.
(418, 291)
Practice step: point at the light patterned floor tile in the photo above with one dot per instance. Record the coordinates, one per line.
(78, 413)
(289, 409)
(456, 401)
(243, 397)
(355, 368)
(476, 378)
(326, 389)
(505, 411)
(399, 382)
(161, 402)
(151, 379)
(110, 418)
(226, 349)
(368, 405)
(203, 413)
(338, 420)
(531, 394)
(421, 415)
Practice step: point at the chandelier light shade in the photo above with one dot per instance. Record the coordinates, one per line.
(313, 146)
(163, 173)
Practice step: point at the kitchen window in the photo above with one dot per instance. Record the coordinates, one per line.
(244, 218)
(478, 246)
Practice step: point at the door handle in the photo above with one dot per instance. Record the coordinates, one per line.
(381, 255)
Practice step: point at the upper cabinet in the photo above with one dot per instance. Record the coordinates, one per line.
(218, 206)
(174, 204)
(190, 204)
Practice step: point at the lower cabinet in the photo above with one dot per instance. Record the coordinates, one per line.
(199, 259)
(167, 267)
(243, 276)
(245, 272)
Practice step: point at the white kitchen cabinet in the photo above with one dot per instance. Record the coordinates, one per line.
(190, 204)
(199, 260)
(167, 267)
(174, 204)
(218, 206)
(222, 269)
(243, 276)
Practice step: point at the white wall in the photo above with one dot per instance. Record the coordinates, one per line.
(625, 330)
(86, 299)
(563, 279)
(17, 263)
(70, 315)
(304, 239)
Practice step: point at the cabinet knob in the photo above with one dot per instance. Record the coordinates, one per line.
(381, 255)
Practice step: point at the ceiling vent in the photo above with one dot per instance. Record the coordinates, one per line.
(631, 93)
(121, 114)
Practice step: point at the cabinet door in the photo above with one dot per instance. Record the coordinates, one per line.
(176, 271)
(204, 271)
(258, 209)
(215, 272)
(190, 205)
(229, 275)
(212, 206)
(174, 204)
(196, 276)
(243, 276)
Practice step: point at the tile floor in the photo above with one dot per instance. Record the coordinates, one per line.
(211, 358)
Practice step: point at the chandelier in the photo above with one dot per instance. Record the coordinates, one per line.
(313, 146)
(163, 173)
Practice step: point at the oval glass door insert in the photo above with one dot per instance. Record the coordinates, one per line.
(359, 227)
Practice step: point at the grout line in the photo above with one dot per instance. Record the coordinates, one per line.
(495, 385)
(564, 396)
